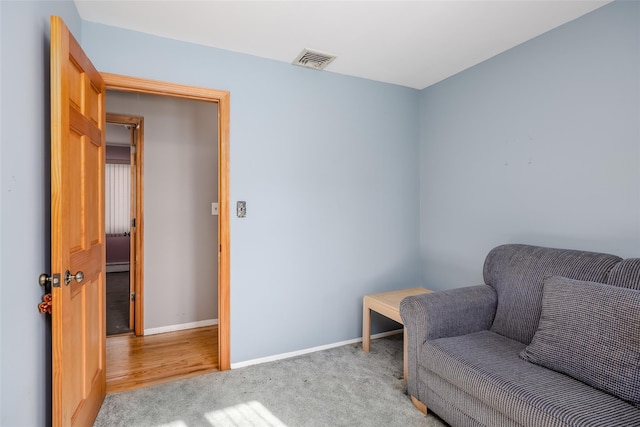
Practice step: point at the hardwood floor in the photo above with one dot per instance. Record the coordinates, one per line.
(134, 362)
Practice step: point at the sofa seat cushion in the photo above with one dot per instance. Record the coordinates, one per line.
(591, 332)
(487, 366)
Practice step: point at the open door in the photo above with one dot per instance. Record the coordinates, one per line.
(77, 231)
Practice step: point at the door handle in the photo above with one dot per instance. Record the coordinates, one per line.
(68, 277)
(48, 281)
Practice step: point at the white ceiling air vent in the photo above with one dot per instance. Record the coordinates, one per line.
(313, 59)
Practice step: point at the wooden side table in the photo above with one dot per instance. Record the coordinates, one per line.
(387, 304)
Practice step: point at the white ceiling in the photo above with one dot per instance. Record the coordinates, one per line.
(409, 43)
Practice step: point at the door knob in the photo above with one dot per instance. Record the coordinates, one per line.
(44, 279)
(68, 277)
(48, 281)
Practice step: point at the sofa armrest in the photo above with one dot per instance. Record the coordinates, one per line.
(443, 314)
(450, 313)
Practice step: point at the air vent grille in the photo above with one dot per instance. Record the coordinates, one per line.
(313, 59)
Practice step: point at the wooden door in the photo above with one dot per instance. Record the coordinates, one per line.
(77, 231)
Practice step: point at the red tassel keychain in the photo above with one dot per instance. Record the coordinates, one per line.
(45, 305)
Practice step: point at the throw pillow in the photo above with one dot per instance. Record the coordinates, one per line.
(591, 332)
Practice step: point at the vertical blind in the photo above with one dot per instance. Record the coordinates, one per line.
(117, 200)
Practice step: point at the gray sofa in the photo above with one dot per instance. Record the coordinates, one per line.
(551, 339)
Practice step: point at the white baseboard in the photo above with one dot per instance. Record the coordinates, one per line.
(309, 350)
(181, 327)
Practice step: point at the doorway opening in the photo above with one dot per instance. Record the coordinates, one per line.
(180, 227)
(124, 224)
(221, 98)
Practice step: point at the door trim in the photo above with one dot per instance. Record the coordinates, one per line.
(222, 98)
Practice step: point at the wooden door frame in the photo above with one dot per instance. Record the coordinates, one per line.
(222, 98)
(137, 209)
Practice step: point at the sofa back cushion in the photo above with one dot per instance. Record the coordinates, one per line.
(626, 274)
(517, 272)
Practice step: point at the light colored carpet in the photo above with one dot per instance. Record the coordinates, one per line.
(342, 386)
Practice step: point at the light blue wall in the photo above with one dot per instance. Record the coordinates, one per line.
(24, 218)
(538, 145)
(328, 165)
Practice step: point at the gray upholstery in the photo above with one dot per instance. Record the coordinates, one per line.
(516, 272)
(444, 314)
(626, 274)
(463, 345)
(576, 335)
(487, 367)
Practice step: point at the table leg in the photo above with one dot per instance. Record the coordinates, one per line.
(366, 326)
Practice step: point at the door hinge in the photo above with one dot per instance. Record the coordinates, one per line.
(133, 223)
(133, 149)
(133, 296)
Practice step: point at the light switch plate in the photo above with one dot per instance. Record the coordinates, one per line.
(241, 209)
(214, 209)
